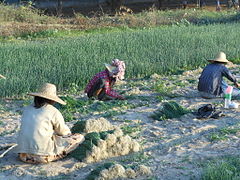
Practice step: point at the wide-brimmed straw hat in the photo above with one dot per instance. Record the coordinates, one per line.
(1, 76)
(221, 57)
(48, 91)
(111, 68)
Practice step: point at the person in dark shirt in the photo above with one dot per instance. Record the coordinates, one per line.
(211, 83)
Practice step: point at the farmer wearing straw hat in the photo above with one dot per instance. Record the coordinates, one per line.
(211, 83)
(43, 135)
(100, 86)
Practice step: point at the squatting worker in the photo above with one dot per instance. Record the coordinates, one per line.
(211, 83)
(100, 86)
(43, 135)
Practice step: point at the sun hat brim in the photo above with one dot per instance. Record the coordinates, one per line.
(110, 68)
(219, 60)
(53, 98)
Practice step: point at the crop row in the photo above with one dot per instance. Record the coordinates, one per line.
(162, 50)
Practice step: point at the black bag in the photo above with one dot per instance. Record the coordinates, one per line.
(208, 111)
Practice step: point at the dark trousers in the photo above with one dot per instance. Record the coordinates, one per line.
(98, 91)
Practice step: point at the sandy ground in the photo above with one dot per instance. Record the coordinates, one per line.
(173, 149)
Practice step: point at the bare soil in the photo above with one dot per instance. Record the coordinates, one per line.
(173, 149)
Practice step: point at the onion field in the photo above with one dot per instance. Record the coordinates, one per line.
(162, 50)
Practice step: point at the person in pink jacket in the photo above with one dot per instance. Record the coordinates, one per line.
(101, 84)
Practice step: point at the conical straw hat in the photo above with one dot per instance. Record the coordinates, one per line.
(221, 57)
(110, 68)
(48, 91)
(1, 76)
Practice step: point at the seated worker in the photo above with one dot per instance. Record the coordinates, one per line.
(43, 135)
(100, 86)
(211, 83)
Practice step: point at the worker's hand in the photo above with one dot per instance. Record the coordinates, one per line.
(237, 85)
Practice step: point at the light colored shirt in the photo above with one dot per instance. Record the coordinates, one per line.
(41, 130)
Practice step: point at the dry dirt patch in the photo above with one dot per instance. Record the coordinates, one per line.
(173, 148)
